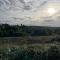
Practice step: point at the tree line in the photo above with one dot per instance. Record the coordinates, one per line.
(7, 30)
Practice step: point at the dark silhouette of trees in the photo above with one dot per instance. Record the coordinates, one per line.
(16, 30)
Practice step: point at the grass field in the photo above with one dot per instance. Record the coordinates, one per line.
(30, 39)
(30, 48)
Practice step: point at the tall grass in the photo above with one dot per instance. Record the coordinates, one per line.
(30, 53)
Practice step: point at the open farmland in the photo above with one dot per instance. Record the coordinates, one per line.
(30, 40)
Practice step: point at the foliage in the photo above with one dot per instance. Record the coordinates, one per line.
(16, 30)
(30, 53)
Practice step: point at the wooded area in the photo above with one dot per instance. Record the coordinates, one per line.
(22, 30)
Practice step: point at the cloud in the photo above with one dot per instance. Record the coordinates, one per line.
(29, 12)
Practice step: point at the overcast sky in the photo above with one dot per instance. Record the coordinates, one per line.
(30, 12)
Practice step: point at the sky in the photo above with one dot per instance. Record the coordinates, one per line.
(30, 12)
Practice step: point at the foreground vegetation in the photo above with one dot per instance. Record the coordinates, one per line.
(30, 48)
(31, 52)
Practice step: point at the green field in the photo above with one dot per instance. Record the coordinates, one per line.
(30, 40)
(30, 48)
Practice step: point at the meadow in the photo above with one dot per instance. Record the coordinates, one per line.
(30, 48)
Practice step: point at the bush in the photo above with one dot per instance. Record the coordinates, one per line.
(53, 53)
